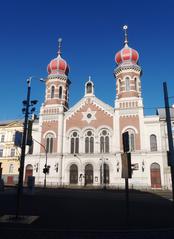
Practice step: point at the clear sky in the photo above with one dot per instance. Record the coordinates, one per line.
(92, 34)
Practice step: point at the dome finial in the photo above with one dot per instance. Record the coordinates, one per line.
(59, 46)
(125, 27)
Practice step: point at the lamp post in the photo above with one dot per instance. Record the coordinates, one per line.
(25, 110)
(103, 167)
(103, 172)
(170, 136)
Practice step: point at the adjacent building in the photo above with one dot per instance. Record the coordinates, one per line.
(9, 153)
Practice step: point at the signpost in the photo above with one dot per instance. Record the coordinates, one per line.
(127, 169)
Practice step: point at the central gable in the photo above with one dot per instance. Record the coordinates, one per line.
(89, 112)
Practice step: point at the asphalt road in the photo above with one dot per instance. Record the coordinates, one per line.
(65, 213)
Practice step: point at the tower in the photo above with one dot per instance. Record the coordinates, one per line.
(128, 104)
(55, 104)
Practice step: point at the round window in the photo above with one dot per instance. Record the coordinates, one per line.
(89, 133)
(75, 134)
(104, 132)
(89, 115)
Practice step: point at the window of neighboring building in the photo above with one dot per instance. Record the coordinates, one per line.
(60, 92)
(1, 152)
(74, 148)
(89, 142)
(11, 168)
(2, 138)
(153, 142)
(49, 143)
(52, 91)
(127, 83)
(12, 153)
(104, 141)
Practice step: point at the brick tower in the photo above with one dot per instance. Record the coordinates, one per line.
(128, 104)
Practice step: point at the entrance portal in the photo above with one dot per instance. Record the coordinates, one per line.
(88, 174)
(155, 175)
(28, 172)
(73, 174)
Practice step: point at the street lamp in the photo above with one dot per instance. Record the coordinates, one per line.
(27, 104)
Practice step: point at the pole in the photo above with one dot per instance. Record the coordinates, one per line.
(21, 169)
(170, 136)
(46, 159)
(127, 199)
(45, 182)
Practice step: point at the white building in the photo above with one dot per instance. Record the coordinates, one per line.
(84, 142)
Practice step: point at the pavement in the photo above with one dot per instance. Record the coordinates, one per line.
(72, 213)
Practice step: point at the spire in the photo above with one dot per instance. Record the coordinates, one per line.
(59, 46)
(125, 27)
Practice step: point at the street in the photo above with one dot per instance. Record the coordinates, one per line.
(67, 213)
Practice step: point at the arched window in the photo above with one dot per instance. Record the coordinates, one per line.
(49, 143)
(89, 142)
(60, 92)
(52, 91)
(127, 83)
(89, 88)
(136, 82)
(104, 141)
(74, 147)
(119, 86)
(131, 139)
(153, 142)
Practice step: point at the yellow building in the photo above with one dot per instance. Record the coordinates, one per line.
(9, 154)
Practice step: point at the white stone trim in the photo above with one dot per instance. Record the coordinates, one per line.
(49, 132)
(129, 127)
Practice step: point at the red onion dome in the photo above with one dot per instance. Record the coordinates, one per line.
(58, 65)
(126, 55)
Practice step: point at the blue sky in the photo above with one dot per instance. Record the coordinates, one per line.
(92, 34)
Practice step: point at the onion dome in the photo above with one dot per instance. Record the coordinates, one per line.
(58, 65)
(126, 54)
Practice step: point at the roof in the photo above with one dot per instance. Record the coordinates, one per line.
(162, 113)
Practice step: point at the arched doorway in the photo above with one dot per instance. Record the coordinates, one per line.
(88, 174)
(155, 175)
(28, 172)
(73, 174)
(105, 174)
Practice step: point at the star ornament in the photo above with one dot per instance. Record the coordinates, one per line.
(89, 115)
